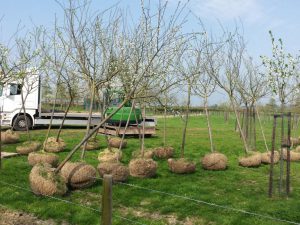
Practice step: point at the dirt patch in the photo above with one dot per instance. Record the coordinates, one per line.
(10, 217)
(169, 219)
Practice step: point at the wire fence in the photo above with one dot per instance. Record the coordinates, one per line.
(151, 190)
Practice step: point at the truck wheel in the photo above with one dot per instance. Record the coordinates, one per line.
(20, 123)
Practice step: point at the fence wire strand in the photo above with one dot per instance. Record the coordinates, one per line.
(201, 202)
(70, 202)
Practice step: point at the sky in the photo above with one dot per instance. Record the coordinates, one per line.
(254, 17)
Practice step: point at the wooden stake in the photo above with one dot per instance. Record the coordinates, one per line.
(106, 218)
(272, 159)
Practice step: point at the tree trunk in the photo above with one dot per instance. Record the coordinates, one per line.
(281, 149)
(239, 125)
(26, 122)
(127, 123)
(143, 134)
(64, 118)
(186, 119)
(208, 124)
(88, 127)
(261, 128)
(165, 121)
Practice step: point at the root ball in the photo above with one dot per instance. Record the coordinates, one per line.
(118, 171)
(142, 168)
(214, 161)
(181, 166)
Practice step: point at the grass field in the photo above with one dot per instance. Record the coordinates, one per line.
(237, 187)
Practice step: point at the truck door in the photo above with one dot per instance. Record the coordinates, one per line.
(12, 97)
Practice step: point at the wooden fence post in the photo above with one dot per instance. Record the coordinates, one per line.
(106, 218)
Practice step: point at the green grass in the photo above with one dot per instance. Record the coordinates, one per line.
(237, 187)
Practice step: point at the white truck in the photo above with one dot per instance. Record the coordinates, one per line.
(12, 114)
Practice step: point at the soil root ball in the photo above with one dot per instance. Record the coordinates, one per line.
(42, 157)
(78, 175)
(91, 145)
(51, 145)
(164, 152)
(9, 137)
(214, 161)
(266, 157)
(28, 147)
(44, 181)
(119, 172)
(142, 168)
(115, 142)
(252, 160)
(297, 149)
(181, 166)
(148, 154)
(112, 155)
(295, 141)
(294, 156)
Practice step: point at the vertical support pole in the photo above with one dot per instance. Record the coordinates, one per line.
(0, 138)
(288, 160)
(281, 155)
(106, 218)
(272, 158)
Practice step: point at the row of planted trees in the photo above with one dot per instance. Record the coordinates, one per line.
(147, 59)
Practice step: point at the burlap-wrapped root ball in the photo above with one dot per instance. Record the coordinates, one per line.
(51, 145)
(42, 157)
(119, 172)
(214, 161)
(297, 149)
(266, 157)
(164, 152)
(142, 168)
(181, 166)
(112, 155)
(294, 156)
(115, 142)
(91, 145)
(9, 137)
(44, 181)
(295, 141)
(148, 154)
(78, 175)
(252, 160)
(27, 147)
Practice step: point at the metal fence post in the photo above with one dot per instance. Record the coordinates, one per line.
(106, 218)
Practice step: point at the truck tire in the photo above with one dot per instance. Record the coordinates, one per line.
(20, 123)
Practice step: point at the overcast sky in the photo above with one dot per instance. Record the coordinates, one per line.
(256, 16)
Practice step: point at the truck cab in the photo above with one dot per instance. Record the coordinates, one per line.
(11, 92)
